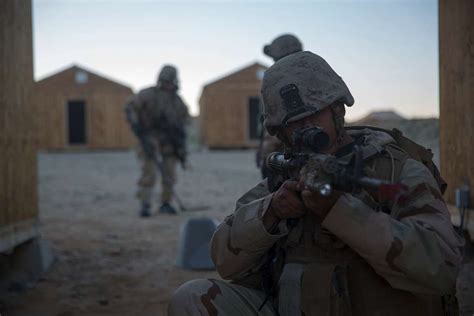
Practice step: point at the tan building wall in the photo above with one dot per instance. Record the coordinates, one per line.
(18, 174)
(104, 100)
(224, 109)
(456, 47)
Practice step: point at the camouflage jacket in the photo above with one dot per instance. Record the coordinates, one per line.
(159, 113)
(412, 246)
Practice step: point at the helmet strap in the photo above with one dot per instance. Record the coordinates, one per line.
(338, 112)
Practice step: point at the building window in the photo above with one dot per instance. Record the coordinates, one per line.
(81, 77)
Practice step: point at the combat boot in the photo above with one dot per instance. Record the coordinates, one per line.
(145, 210)
(166, 208)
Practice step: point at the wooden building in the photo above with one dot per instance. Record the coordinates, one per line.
(86, 110)
(18, 174)
(456, 53)
(230, 109)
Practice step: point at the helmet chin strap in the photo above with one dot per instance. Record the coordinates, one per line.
(338, 112)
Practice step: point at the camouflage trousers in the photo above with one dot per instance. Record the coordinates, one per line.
(149, 173)
(216, 297)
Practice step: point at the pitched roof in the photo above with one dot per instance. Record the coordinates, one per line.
(76, 67)
(230, 76)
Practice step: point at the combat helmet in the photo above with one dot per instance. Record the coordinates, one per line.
(168, 74)
(298, 86)
(282, 46)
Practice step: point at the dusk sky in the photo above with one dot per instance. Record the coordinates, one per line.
(386, 51)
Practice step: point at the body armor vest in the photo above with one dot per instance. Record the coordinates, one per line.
(333, 280)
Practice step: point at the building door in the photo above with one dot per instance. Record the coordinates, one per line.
(76, 113)
(254, 118)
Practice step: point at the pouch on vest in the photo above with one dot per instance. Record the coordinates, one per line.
(324, 290)
(414, 150)
(289, 297)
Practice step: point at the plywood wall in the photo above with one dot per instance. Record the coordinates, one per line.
(226, 122)
(50, 121)
(106, 126)
(18, 176)
(456, 48)
(224, 113)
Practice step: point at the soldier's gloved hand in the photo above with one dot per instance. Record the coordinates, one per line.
(318, 204)
(286, 201)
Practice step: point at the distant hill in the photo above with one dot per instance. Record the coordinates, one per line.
(422, 131)
(375, 118)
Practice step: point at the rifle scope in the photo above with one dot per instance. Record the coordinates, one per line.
(313, 138)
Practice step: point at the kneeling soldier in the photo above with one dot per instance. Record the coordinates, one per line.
(291, 250)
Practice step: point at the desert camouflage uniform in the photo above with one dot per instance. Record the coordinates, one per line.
(161, 114)
(367, 257)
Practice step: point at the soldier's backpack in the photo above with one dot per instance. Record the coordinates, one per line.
(414, 150)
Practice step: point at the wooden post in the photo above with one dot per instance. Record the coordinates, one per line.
(18, 180)
(456, 54)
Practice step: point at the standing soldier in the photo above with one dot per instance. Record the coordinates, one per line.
(281, 46)
(302, 248)
(158, 117)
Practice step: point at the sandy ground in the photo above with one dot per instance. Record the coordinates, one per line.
(109, 261)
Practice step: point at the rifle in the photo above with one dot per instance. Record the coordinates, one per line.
(324, 173)
(173, 134)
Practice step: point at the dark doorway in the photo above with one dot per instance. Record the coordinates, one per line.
(76, 114)
(254, 118)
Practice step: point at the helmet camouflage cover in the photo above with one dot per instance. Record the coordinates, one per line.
(282, 46)
(168, 74)
(298, 86)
